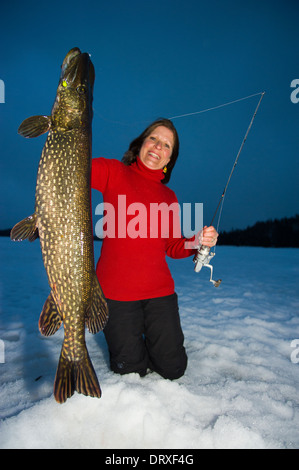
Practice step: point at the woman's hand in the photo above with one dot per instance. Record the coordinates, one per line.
(209, 236)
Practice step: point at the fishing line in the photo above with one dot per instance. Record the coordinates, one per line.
(216, 107)
(179, 116)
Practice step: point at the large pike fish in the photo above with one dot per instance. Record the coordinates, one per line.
(62, 220)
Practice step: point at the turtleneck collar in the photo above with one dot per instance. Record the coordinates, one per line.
(139, 167)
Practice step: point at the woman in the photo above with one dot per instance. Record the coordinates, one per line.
(143, 330)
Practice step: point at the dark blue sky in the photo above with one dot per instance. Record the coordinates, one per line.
(163, 58)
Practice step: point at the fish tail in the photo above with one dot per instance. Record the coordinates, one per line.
(74, 376)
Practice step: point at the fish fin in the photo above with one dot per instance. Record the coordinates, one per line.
(75, 376)
(50, 319)
(25, 229)
(97, 312)
(35, 126)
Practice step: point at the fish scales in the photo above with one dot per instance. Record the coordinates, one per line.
(62, 220)
(65, 232)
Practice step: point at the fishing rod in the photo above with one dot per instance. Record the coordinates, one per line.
(203, 255)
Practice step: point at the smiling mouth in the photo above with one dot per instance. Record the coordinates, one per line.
(154, 155)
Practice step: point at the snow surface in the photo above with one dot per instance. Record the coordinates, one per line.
(240, 389)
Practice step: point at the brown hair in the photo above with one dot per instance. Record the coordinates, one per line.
(131, 154)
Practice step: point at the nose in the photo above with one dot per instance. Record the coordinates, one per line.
(158, 144)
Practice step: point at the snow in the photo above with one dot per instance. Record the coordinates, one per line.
(240, 389)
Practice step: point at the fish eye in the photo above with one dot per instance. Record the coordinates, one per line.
(81, 89)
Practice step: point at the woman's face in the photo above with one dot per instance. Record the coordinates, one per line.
(157, 148)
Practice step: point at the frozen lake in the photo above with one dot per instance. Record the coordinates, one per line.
(240, 389)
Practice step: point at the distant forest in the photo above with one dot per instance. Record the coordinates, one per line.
(272, 233)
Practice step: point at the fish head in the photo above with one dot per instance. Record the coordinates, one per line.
(73, 104)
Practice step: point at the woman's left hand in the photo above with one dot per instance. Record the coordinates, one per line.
(209, 236)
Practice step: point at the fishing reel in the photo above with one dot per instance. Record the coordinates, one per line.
(203, 258)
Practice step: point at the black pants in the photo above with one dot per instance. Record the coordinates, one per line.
(146, 334)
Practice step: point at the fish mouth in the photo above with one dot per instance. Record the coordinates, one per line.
(77, 69)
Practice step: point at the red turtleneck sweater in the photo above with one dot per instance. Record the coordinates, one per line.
(132, 265)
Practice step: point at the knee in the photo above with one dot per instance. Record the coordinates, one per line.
(123, 368)
(172, 371)
(175, 373)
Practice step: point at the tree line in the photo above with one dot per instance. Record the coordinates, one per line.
(272, 233)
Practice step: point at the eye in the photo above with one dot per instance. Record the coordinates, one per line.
(64, 83)
(81, 89)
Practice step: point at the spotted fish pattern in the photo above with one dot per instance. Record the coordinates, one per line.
(62, 221)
